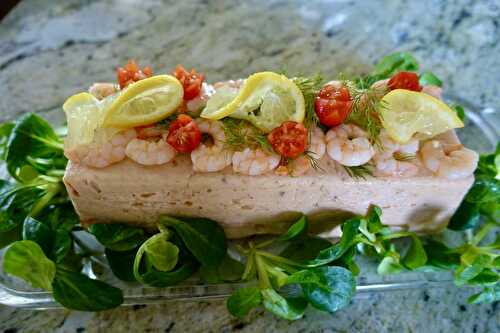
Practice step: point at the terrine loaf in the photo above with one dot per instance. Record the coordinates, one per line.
(254, 154)
(246, 205)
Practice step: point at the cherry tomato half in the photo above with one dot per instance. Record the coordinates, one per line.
(404, 80)
(191, 81)
(132, 73)
(183, 134)
(289, 139)
(333, 105)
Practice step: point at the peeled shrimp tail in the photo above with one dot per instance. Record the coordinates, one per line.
(254, 162)
(455, 164)
(100, 155)
(150, 152)
(349, 145)
(215, 157)
(385, 160)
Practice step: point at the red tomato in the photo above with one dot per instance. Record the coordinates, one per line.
(289, 140)
(404, 80)
(333, 105)
(183, 134)
(191, 81)
(132, 73)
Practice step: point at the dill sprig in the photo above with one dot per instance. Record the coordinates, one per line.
(360, 171)
(313, 160)
(366, 108)
(240, 134)
(309, 86)
(309, 155)
(403, 157)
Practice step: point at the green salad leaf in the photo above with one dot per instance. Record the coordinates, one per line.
(10, 236)
(415, 256)
(36, 231)
(429, 78)
(341, 287)
(203, 237)
(305, 249)
(390, 65)
(26, 260)
(160, 253)
(122, 263)
(229, 270)
(79, 292)
(181, 272)
(118, 237)
(459, 109)
(287, 308)
(34, 143)
(243, 300)
(163, 260)
(298, 229)
(17, 202)
(5, 131)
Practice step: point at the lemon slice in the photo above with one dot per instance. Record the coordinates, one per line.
(83, 116)
(145, 102)
(221, 98)
(266, 100)
(406, 113)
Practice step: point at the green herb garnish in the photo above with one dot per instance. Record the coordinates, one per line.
(310, 87)
(240, 134)
(404, 157)
(359, 172)
(366, 109)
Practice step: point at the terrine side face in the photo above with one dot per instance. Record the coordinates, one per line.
(127, 192)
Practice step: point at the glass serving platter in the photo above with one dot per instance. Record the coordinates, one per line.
(481, 133)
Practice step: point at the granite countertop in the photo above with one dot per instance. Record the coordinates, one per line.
(50, 51)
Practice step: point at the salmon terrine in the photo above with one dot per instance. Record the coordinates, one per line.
(254, 154)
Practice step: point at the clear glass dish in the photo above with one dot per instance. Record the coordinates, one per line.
(481, 133)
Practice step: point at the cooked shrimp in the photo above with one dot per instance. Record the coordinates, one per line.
(434, 91)
(150, 152)
(101, 155)
(101, 90)
(199, 102)
(452, 162)
(386, 163)
(381, 84)
(215, 157)
(317, 147)
(349, 145)
(254, 162)
(302, 164)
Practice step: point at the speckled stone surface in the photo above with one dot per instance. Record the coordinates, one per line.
(52, 49)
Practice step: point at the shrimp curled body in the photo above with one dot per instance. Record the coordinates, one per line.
(101, 155)
(453, 162)
(385, 162)
(254, 162)
(101, 90)
(215, 157)
(150, 152)
(349, 145)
